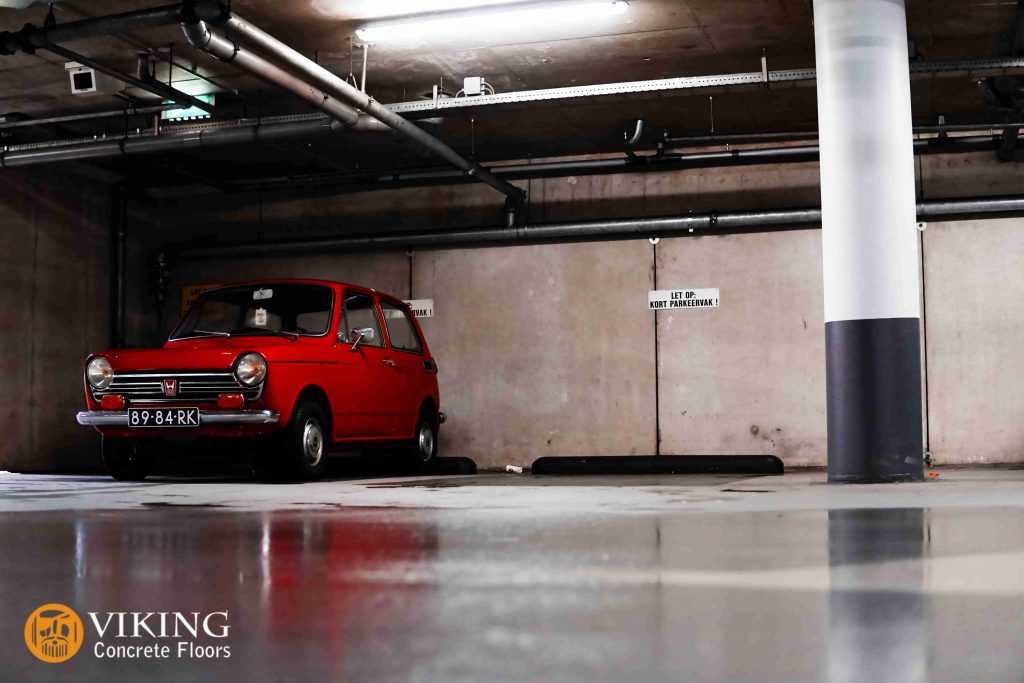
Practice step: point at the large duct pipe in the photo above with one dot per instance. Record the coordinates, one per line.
(673, 226)
(338, 88)
(164, 143)
(30, 38)
(202, 38)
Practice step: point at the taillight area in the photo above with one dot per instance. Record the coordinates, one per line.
(230, 401)
(112, 402)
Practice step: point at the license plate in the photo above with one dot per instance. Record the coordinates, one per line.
(163, 417)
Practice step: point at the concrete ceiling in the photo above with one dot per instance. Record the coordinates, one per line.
(654, 39)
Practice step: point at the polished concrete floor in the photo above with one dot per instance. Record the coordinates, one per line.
(518, 578)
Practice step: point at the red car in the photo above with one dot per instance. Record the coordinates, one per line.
(306, 366)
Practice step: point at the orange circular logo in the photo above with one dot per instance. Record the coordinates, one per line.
(53, 633)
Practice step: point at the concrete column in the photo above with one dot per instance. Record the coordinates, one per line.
(869, 242)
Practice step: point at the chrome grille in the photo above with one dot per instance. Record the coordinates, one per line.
(193, 387)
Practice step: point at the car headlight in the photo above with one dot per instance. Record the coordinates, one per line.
(98, 372)
(251, 369)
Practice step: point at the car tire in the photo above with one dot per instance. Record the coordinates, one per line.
(125, 459)
(301, 447)
(422, 450)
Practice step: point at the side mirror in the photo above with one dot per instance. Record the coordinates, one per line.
(360, 334)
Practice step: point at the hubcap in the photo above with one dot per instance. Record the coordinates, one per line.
(426, 443)
(312, 442)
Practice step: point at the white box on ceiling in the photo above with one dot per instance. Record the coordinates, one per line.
(473, 85)
(85, 81)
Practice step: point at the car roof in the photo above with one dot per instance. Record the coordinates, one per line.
(311, 281)
(300, 281)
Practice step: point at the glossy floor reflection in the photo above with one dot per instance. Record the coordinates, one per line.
(608, 593)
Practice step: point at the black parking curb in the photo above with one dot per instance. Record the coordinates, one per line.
(662, 464)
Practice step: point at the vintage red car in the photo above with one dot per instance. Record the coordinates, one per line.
(305, 366)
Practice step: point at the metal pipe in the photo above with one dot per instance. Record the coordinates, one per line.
(127, 111)
(366, 58)
(337, 87)
(237, 134)
(201, 37)
(672, 226)
(30, 38)
(149, 144)
(154, 86)
(635, 138)
(753, 137)
(119, 214)
(668, 162)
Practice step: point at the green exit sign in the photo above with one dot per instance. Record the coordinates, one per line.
(187, 113)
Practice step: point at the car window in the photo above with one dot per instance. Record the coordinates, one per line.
(259, 309)
(314, 320)
(360, 313)
(401, 331)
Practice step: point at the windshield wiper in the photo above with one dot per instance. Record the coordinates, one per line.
(260, 331)
(212, 333)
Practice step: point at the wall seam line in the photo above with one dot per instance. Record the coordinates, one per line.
(657, 367)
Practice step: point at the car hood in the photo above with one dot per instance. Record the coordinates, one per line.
(213, 354)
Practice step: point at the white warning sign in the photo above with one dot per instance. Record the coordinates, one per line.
(682, 298)
(421, 308)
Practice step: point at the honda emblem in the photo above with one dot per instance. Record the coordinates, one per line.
(170, 387)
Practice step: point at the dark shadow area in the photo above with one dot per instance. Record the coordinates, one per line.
(564, 481)
(660, 464)
(390, 466)
(211, 465)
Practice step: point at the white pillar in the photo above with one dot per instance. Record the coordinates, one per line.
(869, 238)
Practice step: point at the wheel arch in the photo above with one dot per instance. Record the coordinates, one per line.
(312, 392)
(429, 406)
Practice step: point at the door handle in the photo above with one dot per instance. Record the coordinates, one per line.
(389, 362)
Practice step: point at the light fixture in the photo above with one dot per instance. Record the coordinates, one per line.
(494, 18)
(188, 113)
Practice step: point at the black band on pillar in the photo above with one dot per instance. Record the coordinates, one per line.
(873, 380)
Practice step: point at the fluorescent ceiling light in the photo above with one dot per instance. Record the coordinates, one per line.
(493, 19)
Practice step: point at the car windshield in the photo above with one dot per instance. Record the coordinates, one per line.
(285, 309)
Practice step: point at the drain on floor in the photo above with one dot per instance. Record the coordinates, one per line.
(163, 504)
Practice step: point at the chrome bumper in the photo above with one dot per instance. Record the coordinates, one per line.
(119, 418)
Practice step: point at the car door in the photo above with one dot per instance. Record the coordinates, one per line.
(406, 363)
(361, 388)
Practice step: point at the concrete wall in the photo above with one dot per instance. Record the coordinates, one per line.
(745, 378)
(54, 308)
(385, 272)
(748, 377)
(974, 294)
(542, 350)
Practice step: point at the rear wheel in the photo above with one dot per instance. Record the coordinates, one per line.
(422, 451)
(299, 451)
(125, 459)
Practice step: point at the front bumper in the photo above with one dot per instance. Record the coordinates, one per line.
(119, 418)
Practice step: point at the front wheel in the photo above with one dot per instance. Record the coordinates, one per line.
(423, 449)
(125, 459)
(299, 451)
